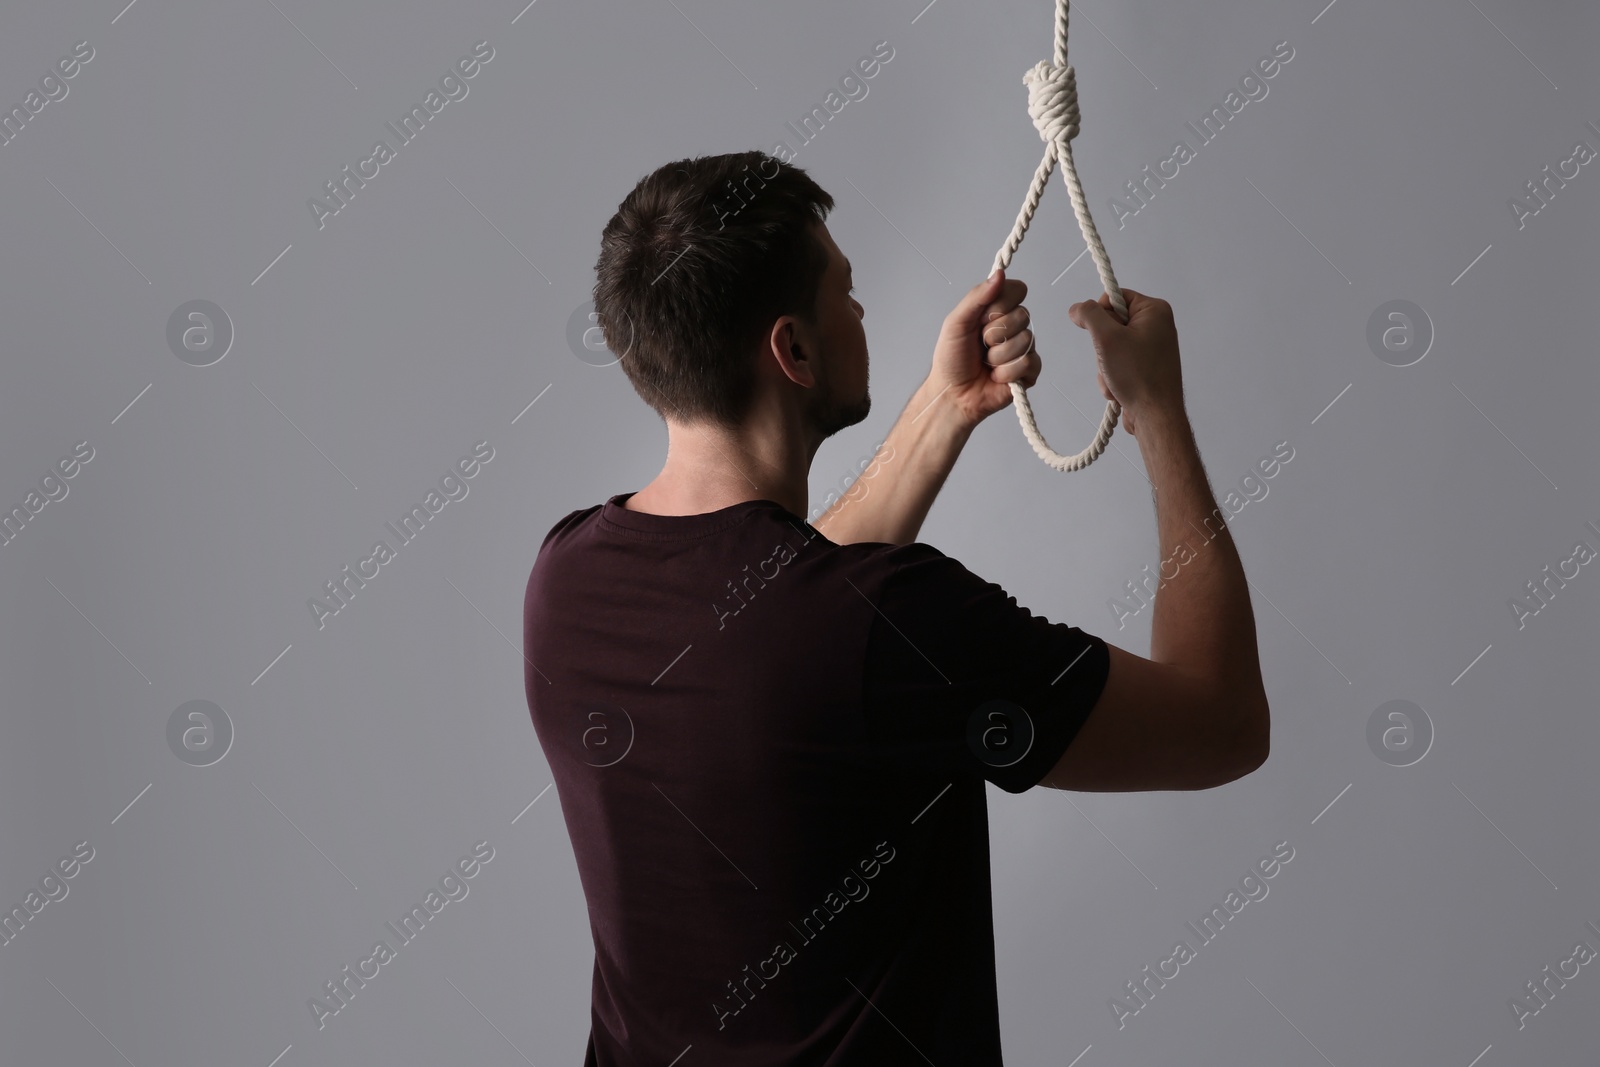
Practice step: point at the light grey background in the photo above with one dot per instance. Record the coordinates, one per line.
(432, 310)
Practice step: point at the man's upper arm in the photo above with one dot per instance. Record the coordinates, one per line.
(961, 679)
(1155, 727)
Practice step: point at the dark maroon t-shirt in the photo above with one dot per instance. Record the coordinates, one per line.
(770, 752)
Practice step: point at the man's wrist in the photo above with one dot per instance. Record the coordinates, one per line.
(929, 436)
(932, 404)
(1163, 418)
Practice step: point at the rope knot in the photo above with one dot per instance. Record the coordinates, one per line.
(1053, 101)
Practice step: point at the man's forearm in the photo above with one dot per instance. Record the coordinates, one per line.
(1203, 621)
(921, 448)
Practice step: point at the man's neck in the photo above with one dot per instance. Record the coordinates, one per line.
(708, 470)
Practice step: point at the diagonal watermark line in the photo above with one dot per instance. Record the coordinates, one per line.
(88, 1020)
(132, 402)
(1474, 263)
(531, 803)
(497, 229)
(890, 1021)
(131, 803)
(702, 833)
(679, 1056)
(124, 11)
(1331, 803)
(1468, 667)
(1069, 266)
(532, 402)
(1289, 1021)
(713, 44)
(1480, 1056)
(313, 44)
(924, 11)
(497, 630)
(928, 405)
(1502, 833)
(1297, 229)
(1332, 402)
(302, 833)
(901, 632)
(273, 664)
(674, 663)
(524, 11)
(1071, 665)
(932, 802)
(302, 433)
(1308, 640)
(280, 1055)
(1113, 844)
(1324, 11)
(1509, 441)
(1080, 1056)
(486, 1019)
(274, 263)
(86, 619)
(1513, 44)
(669, 266)
(897, 229)
(103, 237)
(1079, 9)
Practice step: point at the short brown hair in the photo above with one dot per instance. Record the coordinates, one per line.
(698, 260)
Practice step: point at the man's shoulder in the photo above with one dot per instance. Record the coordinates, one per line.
(917, 580)
(570, 522)
(915, 564)
(886, 555)
(565, 529)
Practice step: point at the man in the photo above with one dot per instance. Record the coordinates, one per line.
(771, 740)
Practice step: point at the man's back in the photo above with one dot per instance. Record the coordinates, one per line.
(770, 756)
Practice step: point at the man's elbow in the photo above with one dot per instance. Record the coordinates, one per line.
(1243, 747)
(1253, 741)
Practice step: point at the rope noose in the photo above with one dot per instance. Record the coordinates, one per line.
(1053, 106)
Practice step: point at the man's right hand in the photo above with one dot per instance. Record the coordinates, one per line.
(1138, 362)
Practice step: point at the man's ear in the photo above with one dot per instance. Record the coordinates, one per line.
(787, 346)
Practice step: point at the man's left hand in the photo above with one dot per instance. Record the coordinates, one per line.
(975, 378)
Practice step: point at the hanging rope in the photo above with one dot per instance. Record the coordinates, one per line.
(1053, 106)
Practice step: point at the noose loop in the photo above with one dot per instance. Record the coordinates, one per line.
(1053, 106)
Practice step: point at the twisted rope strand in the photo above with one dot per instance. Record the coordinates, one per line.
(1053, 106)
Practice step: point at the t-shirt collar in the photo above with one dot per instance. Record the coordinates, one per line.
(615, 515)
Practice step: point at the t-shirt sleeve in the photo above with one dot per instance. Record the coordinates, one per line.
(961, 679)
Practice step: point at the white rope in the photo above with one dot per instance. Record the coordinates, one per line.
(1053, 106)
